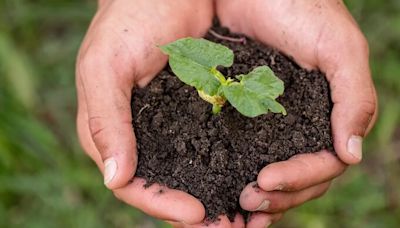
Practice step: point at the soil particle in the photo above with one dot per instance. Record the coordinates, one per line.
(182, 145)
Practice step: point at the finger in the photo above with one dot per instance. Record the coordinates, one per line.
(174, 199)
(300, 172)
(352, 91)
(83, 129)
(259, 219)
(325, 45)
(255, 199)
(221, 222)
(354, 112)
(106, 90)
(238, 221)
(162, 202)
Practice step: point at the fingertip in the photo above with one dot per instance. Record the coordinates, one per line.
(351, 120)
(258, 220)
(191, 218)
(119, 170)
(351, 153)
(253, 198)
(268, 179)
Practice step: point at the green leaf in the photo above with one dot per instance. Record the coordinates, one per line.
(201, 51)
(256, 92)
(194, 62)
(263, 81)
(194, 74)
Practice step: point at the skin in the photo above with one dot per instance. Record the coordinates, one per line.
(317, 34)
(119, 53)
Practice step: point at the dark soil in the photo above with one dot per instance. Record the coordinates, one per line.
(183, 146)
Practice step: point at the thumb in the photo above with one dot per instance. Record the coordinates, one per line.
(355, 105)
(107, 91)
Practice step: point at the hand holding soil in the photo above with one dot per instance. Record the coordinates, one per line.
(317, 34)
(119, 53)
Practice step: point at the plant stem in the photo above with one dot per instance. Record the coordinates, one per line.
(216, 109)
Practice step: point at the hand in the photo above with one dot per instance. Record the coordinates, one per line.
(318, 34)
(118, 53)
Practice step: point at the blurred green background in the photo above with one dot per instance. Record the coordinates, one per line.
(47, 181)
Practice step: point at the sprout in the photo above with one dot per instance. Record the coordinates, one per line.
(195, 61)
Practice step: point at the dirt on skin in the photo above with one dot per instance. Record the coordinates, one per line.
(182, 145)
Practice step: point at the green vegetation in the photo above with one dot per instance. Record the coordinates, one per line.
(195, 61)
(47, 181)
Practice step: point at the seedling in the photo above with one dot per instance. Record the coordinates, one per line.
(195, 61)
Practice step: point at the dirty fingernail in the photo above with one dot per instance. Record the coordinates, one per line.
(267, 224)
(263, 206)
(279, 187)
(354, 146)
(110, 169)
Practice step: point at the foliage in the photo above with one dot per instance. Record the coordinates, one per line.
(47, 181)
(195, 62)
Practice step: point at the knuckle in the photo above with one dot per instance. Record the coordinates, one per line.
(359, 42)
(369, 106)
(82, 136)
(368, 109)
(98, 127)
(88, 60)
(108, 64)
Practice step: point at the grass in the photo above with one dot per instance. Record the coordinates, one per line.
(47, 181)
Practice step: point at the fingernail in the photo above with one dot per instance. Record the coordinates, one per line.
(110, 169)
(354, 146)
(263, 206)
(279, 187)
(267, 224)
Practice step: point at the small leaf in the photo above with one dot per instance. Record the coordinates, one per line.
(201, 51)
(256, 93)
(263, 81)
(194, 62)
(194, 74)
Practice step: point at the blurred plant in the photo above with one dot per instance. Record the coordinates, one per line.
(368, 195)
(46, 180)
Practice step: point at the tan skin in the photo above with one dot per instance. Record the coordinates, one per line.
(119, 53)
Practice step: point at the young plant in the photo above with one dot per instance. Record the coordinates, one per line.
(195, 61)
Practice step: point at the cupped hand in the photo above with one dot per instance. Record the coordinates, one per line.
(119, 53)
(317, 34)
